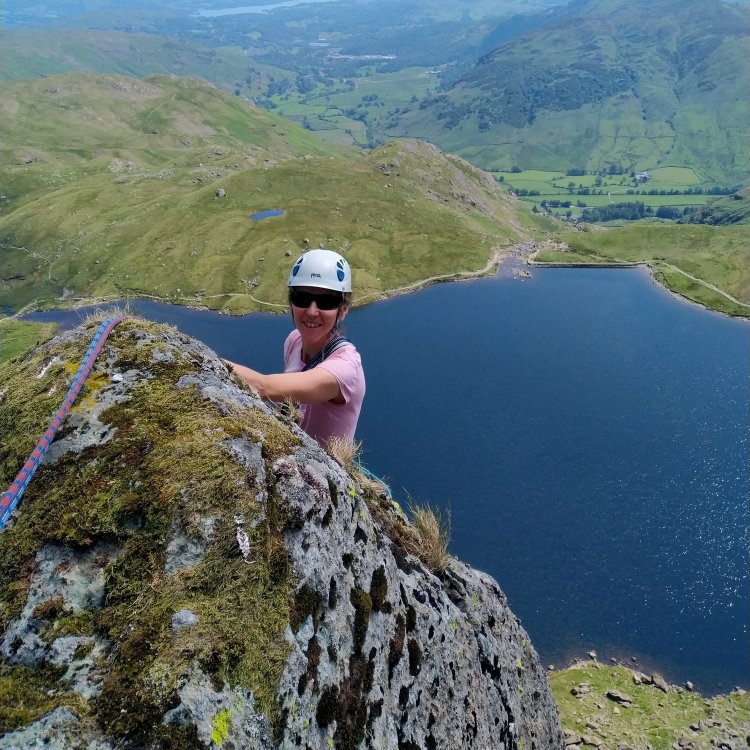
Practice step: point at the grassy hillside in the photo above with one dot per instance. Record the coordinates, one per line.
(650, 717)
(704, 263)
(17, 337)
(111, 189)
(642, 83)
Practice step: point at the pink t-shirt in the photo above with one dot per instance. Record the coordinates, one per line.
(322, 421)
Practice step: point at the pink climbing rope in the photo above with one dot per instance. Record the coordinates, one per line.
(10, 499)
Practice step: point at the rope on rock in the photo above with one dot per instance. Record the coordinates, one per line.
(10, 499)
(375, 478)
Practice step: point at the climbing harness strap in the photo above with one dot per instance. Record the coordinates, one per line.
(335, 343)
(10, 499)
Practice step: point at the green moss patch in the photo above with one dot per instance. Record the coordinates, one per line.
(27, 694)
(362, 602)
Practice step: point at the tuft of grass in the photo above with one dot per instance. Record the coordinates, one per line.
(347, 453)
(433, 528)
(344, 451)
(98, 315)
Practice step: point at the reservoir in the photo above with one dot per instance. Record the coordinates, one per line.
(587, 432)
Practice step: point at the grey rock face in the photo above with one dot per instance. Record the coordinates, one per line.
(226, 714)
(378, 651)
(186, 552)
(58, 730)
(184, 619)
(74, 580)
(434, 663)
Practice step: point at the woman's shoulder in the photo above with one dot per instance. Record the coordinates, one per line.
(346, 352)
(345, 364)
(293, 338)
(293, 341)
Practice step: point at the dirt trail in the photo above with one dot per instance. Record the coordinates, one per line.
(706, 284)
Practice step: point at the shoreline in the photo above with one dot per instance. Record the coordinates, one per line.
(567, 655)
(497, 258)
(641, 666)
(606, 706)
(614, 264)
(502, 258)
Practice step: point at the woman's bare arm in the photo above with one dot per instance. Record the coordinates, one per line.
(312, 387)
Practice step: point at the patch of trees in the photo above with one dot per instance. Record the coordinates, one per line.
(526, 92)
(305, 83)
(721, 213)
(278, 88)
(629, 211)
(687, 191)
(614, 169)
(371, 100)
(447, 113)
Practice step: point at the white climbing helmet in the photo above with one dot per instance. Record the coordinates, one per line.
(322, 268)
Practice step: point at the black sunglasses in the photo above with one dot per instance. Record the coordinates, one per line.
(324, 301)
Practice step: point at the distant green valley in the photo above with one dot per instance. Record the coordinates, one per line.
(117, 183)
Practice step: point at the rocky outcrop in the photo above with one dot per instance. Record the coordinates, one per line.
(205, 575)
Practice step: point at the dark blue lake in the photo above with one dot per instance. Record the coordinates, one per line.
(589, 434)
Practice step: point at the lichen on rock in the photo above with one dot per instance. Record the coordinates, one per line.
(205, 575)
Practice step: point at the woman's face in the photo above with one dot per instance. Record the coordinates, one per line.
(313, 323)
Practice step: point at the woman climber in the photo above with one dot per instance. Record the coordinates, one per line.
(322, 369)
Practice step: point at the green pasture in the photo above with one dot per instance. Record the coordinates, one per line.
(556, 182)
(555, 185)
(651, 717)
(679, 201)
(707, 264)
(593, 201)
(393, 89)
(674, 177)
(17, 337)
(324, 109)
